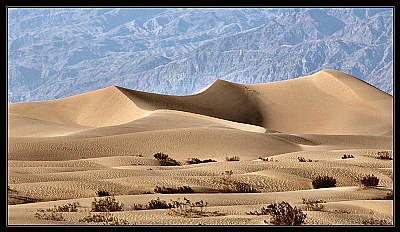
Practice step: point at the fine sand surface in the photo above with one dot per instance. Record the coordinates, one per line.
(63, 151)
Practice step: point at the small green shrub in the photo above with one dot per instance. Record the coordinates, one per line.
(324, 182)
(183, 189)
(105, 217)
(369, 181)
(282, 214)
(234, 158)
(103, 193)
(108, 204)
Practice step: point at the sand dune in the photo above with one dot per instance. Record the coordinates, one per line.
(67, 149)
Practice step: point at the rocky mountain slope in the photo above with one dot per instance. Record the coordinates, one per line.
(54, 53)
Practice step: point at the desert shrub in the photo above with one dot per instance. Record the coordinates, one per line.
(313, 205)
(165, 160)
(153, 204)
(183, 189)
(159, 204)
(239, 187)
(108, 204)
(139, 207)
(104, 217)
(369, 181)
(301, 159)
(234, 186)
(197, 209)
(389, 196)
(384, 155)
(234, 158)
(268, 159)
(324, 182)
(46, 215)
(347, 156)
(373, 221)
(198, 161)
(70, 207)
(282, 214)
(102, 193)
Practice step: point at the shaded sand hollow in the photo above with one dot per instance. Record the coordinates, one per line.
(63, 151)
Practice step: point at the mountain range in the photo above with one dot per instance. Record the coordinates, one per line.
(55, 53)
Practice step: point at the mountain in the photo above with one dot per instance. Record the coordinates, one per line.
(55, 53)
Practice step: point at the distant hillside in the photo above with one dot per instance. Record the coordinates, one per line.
(54, 53)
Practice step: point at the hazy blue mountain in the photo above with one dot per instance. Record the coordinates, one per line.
(55, 53)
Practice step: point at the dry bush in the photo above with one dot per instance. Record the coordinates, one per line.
(313, 205)
(198, 161)
(369, 181)
(373, 221)
(347, 156)
(165, 160)
(54, 213)
(384, 155)
(234, 186)
(186, 208)
(324, 182)
(282, 214)
(183, 189)
(104, 217)
(234, 158)
(107, 204)
(102, 193)
(46, 215)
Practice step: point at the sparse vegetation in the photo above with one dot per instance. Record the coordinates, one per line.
(234, 158)
(49, 215)
(384, 155)
(183, 208)
(373, 221)
(186, 208)
(54, 213)
(324, 182)
(159, 204)
(70, 207)
(103, 193)
(104, 217)
(183, 189)
(165, 160)
(108, 204)
(369, 181)
(282, 214)
(313, 205)
(198, 161)
(347, 156)
(268, 159)
(302, 159)
(234, 186)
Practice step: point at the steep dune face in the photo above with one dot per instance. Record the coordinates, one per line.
(327, 102)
